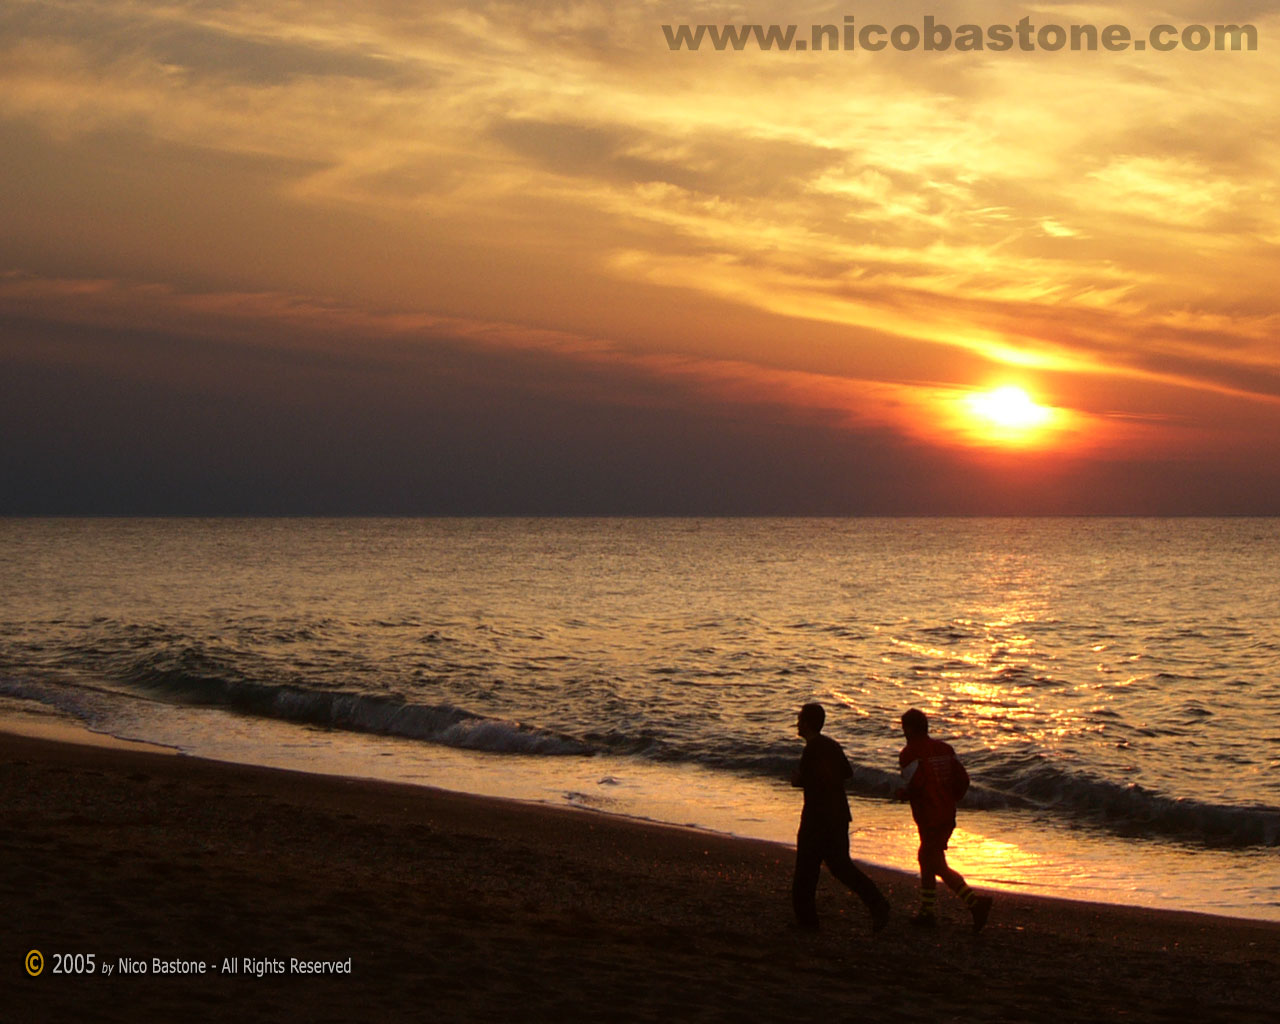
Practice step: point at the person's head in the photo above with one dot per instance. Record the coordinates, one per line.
(915, 723)
(810, 720)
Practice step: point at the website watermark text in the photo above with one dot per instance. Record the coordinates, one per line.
(932, 35)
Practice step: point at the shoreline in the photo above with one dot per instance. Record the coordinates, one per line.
(996, 851)
(999, 853)
(61, 730)
(461, 907)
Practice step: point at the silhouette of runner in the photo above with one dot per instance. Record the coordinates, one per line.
(824, 824)
(935, 780)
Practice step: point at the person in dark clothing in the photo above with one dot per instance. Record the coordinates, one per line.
(824, 824)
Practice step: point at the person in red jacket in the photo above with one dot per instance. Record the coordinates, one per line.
(934, 780)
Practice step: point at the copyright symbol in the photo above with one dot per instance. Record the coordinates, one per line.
(35, 962)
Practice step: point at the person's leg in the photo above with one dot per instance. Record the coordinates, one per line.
(836, 856)
(804, 884)
(979, 906)
(949, 875)
(927, 858)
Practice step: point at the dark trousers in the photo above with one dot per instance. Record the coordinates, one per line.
(829, 844)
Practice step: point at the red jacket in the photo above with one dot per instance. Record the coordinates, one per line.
(934, 779)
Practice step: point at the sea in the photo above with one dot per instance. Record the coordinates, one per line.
(1112, 685)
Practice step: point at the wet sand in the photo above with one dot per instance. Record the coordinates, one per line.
(460, 908)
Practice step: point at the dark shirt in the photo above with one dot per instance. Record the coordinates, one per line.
(823, 770)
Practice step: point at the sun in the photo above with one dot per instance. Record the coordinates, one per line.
(1007, 414)
(1008, 407)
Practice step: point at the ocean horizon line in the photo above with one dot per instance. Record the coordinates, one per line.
(639, 515)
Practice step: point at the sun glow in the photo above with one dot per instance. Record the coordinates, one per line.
(1008, 407)
(1007, 415)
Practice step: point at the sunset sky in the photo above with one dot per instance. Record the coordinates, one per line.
(408, 256)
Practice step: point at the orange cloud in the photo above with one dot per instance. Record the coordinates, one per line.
(861, 237)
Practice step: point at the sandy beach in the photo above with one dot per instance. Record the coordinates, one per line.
(459, 908)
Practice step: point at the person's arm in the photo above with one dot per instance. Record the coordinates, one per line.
(798, 775)
(959, 778)
(909, 770)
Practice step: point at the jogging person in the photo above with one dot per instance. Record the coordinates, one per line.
(824, 824)
(934, 780)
